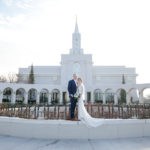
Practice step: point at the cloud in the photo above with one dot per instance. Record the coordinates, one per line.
(10, 21)
(16, 12)
(25, 4)
(33, 29)
(8, 2)
(3, 20)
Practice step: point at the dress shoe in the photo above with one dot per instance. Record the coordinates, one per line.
(74, 119)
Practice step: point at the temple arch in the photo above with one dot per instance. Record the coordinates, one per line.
(20, 95)
(98, 96)
(121, 96)
(145, 95)
(55, 96)
(109, 95)
(133, 95)
(32, 96)
(7, 95)
(44, 96)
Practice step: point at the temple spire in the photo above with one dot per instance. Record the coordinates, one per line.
(76, 41)
(76, 27)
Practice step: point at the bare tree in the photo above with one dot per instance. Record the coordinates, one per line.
(12, 77)
(3, 78)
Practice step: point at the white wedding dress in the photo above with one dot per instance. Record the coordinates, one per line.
(84, 116)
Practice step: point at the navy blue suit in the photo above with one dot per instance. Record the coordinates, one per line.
(72, 88)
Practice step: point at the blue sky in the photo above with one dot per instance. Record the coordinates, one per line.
(37, 31)
(13, 7)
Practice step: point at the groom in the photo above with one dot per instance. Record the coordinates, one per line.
(72, 88)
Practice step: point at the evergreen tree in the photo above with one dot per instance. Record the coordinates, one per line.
(123, 92)
(123, 96)
(31, 75)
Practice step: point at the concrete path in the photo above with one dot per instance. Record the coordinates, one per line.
(13, 143)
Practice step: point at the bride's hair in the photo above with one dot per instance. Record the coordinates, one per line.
(80, 79)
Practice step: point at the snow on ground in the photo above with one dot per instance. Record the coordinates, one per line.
(13, 143)
(13, 118)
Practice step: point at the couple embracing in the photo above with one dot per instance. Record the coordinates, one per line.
(77, 94)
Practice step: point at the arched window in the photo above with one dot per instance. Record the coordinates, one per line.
(134, 95)
(7, 95)
(55, 96)
(98, 96)
(146, 95)
(44, 96)
(109, 96)
(32, 96)
(121, 96)
(20, 95)
(77, 69)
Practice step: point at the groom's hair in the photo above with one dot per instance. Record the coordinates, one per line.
(74, 74)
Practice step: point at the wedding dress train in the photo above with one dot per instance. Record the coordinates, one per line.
(84, 116)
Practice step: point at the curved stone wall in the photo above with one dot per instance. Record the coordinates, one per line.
(62, 129)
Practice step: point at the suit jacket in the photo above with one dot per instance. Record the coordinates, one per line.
(72, 88)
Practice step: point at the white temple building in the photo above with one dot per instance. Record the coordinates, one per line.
(82, 64)
(102, 83)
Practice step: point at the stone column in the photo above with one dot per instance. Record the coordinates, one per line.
(115, 99)
(13, 97)
(104, 98)
(92, 97)
(38, 98)
(60, 98)
(26, 97)
(141, 98)
(67, 97)
(1, 96)
(49, 98)
(128, 98)
(85, 92)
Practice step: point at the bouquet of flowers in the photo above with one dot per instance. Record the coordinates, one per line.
(77, 95)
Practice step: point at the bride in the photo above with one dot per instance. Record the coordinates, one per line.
(83, 115)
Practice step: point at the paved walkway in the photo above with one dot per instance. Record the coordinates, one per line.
(13, 143)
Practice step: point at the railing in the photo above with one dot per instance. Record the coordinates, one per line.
(140, 111)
